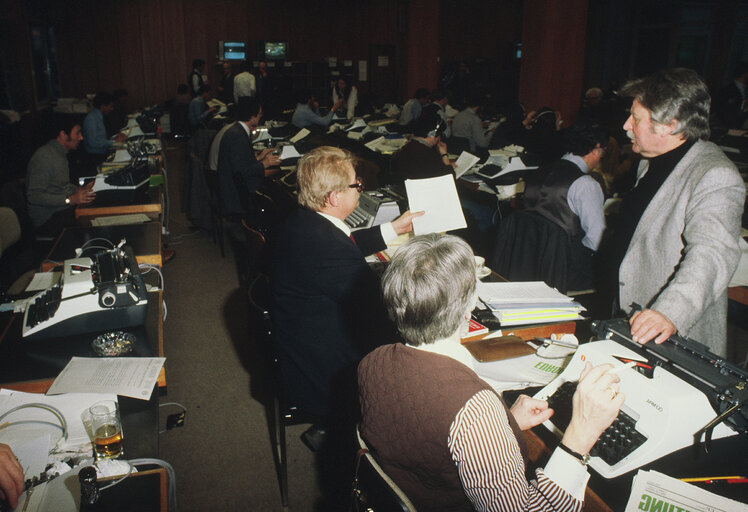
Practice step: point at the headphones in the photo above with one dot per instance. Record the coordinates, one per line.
(441, 125)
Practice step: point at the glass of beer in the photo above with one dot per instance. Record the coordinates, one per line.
(107, 429)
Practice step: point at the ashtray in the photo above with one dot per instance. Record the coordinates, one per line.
(112, 344)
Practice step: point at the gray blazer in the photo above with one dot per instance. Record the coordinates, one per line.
(685, 248)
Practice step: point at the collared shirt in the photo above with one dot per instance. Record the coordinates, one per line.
(411, 111)
(585, 198)
(304, 116)
(198, 111)
(487, 456)
(244, 85)
(94, 133)
(468, 124)
(388, 232)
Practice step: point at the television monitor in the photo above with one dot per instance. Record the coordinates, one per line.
(275, 50)
(232, 50)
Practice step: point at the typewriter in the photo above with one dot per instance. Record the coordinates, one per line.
(93, 294)
(125, 185)
(677, 394)
(375, 208)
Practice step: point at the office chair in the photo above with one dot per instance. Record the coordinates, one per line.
(373, 490)
(281, 413)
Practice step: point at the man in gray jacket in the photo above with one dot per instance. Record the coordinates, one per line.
(677, 237)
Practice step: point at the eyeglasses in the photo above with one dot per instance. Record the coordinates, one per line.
(358, 185)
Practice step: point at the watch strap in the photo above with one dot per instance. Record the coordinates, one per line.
(583, 459)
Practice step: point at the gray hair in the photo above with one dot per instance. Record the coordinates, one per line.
(676, 93)
(429, 286)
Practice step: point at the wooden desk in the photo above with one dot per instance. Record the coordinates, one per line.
(144, 491)
(145, 240)
(32, 366)
(150, 206)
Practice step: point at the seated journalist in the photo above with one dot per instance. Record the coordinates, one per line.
(327, 311)
(438, 430)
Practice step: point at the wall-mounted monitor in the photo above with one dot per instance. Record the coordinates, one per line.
(275, 50)
(232, 50)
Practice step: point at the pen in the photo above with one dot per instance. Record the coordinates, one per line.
(735, 479)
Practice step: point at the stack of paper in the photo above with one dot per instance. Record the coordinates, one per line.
(527, 303)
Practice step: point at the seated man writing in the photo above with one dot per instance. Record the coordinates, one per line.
(438, 430)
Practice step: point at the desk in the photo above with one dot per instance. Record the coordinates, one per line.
(150, 206)
(32, 366)
(145, 240)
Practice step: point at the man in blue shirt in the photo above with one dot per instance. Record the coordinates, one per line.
(306, 114)
(96, 142)
(199, 111)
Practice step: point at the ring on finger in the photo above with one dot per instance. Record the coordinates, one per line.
(613, 392)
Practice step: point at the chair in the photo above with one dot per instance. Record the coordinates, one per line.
(373, 490)
(281, 413)
(457, 145)
(529, 247)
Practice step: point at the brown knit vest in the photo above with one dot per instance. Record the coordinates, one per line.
(409, 399)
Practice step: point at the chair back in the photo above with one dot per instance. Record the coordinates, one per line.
(373, 490)
(457, 145)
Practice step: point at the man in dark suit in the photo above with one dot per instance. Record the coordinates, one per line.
(327, 311)
(237, 162)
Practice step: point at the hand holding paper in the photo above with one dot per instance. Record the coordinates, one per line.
(437, 197)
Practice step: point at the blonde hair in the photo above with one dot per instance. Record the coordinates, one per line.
(320, 172)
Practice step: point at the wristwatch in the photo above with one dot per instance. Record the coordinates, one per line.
(583, 459)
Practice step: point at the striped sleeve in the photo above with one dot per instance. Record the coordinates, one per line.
(486, 452)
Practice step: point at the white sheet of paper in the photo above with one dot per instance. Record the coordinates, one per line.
(465, 162)
(42, 281)
(121, 155)
(438, 198)
(649, 486)
(262, 135)
(128, 376)
(289, 152)
(358, 123)
(299, 135)
(527, 292)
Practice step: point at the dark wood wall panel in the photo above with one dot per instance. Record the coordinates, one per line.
(173, 41)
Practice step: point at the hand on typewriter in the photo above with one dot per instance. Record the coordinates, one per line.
(595, 405)
(11, 476)
(83, 195)
(649, 323)
(529, 412)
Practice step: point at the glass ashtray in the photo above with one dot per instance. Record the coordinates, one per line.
(114, 343)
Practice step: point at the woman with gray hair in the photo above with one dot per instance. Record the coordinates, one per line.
(439, 431)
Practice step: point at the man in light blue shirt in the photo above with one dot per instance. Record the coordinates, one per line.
(306, 114)
(94, 130)
(199, 112)
(414, 106)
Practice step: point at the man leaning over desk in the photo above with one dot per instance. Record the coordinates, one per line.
(675, 245)
(327, 307)
(94, 131)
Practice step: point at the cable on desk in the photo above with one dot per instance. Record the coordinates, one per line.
(54, 410)
(85, 246)
(147, 267)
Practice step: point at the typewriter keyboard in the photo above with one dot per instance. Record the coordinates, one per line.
(617, 442)
(356, 219)
(44, 307)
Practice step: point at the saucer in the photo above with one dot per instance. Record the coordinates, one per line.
(482, 272)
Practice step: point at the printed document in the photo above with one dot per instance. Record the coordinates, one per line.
(128, 376)
(438, 198)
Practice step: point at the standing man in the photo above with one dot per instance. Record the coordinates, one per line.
(94, 131)
(327, 311)
(197, 79)
(237, 162)
(675, 245)
(226, 85)
(49, 192)
(244, 82)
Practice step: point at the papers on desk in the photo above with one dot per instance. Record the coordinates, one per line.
(135, 131)
(651, 490)
(465, 162)
(289, 151)
(121, 156)
(299, 135)
(127, 376)
(261, 134)
(531, 302)
(438, 198)
(120, 220)
(515, 164)
(358, 123)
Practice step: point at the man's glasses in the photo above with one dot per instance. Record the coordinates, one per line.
(358, 185)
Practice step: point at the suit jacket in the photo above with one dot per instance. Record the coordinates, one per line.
(685, 248)
(327, 312)
(237, 164)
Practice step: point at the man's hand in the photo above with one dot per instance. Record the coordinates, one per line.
(120, 137)
(269, 159)
(265, 152)
(337, 105)
(595, 405)
(11, 476)
(442, 147)
(649, 323)
(83, 195)
(529, 412)
(404, 223)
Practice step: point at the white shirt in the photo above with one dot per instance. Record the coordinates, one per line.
(585, 199)
(244, 85)
(388, 232)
